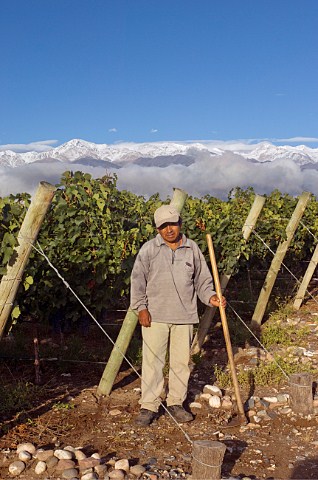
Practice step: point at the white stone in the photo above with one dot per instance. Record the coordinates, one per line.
(206, 396)
(213, 390)
(89, 476)
(270, 399)
(79, 455)
(227, 404)
(25, 456)
(283, 397)
(114, 412)
(40, 467)
(195, 405)
(70, 474)
(137, 470)
(119, 474)
(215, 401)
(285, 410)
(28, 447)
(96, 455)
(69, 448)
(63, 454)
(122, 464)
(16, 468)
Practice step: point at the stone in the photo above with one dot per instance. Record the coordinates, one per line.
(16, 468)
(195, 405)
(122, 464)
(28, 447)
(250, 403)
(227, 404)
(40, 467)
(63, 454)
(205, 396)
(70, 473)
(283, 397)
(65, 464)
(137, 470)
(44, 454)
(79, 455)
(114, 412)
(285, 410)
(215, 401)
(69, 448)
(118, 474)
(88, 463)
(96, 455)
(100, 469)
(270, 399)
(25, 456)
(213, 390)
(89, 476)
(52, 462)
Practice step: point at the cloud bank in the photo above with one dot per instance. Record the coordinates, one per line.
(212, 175)
(42, 146)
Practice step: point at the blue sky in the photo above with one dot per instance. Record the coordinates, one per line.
(109, 71)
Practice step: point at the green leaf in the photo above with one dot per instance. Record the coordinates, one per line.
(28, 282)
(16, 312)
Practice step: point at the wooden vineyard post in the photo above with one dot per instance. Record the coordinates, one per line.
(300, 295)
(301, 395)
(225, 330)
(278, 260)
(209, 312)
(207, 459)
(129, 325)
(27, 235)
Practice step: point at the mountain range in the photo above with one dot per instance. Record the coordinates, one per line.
(156, 154)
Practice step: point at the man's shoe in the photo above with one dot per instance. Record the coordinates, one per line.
(180, 414)
(145, 417)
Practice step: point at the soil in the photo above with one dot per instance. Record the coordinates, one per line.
(68, 412)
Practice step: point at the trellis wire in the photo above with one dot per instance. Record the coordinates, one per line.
(41, 252)
(285, 266)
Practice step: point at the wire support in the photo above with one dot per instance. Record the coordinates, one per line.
(285, 266)
(41, 252)
(309, 231)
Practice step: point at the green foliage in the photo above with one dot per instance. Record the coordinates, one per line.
(18, 397)
(264, 374)
(63, 406)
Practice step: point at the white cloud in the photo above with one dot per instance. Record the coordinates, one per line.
(153, 130)
(295, 140)
(41, 146)
(112, 130)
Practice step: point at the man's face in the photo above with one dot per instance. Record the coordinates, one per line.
(170, 232)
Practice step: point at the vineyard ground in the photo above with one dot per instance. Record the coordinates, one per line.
(66, 411)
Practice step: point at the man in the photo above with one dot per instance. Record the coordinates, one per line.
(168, 275)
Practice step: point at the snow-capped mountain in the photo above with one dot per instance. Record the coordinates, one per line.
(154, 154)
(76, 149)
(267, 152)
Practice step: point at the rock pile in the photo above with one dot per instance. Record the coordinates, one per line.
(68, 463)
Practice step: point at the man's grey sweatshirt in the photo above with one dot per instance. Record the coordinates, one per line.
(167, 282)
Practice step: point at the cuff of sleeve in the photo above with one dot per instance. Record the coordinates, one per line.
(214, 293)
(141, 307)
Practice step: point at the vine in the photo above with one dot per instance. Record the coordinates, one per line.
(93, 232)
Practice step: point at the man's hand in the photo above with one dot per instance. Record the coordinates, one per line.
(144, 318)
(216, 302)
